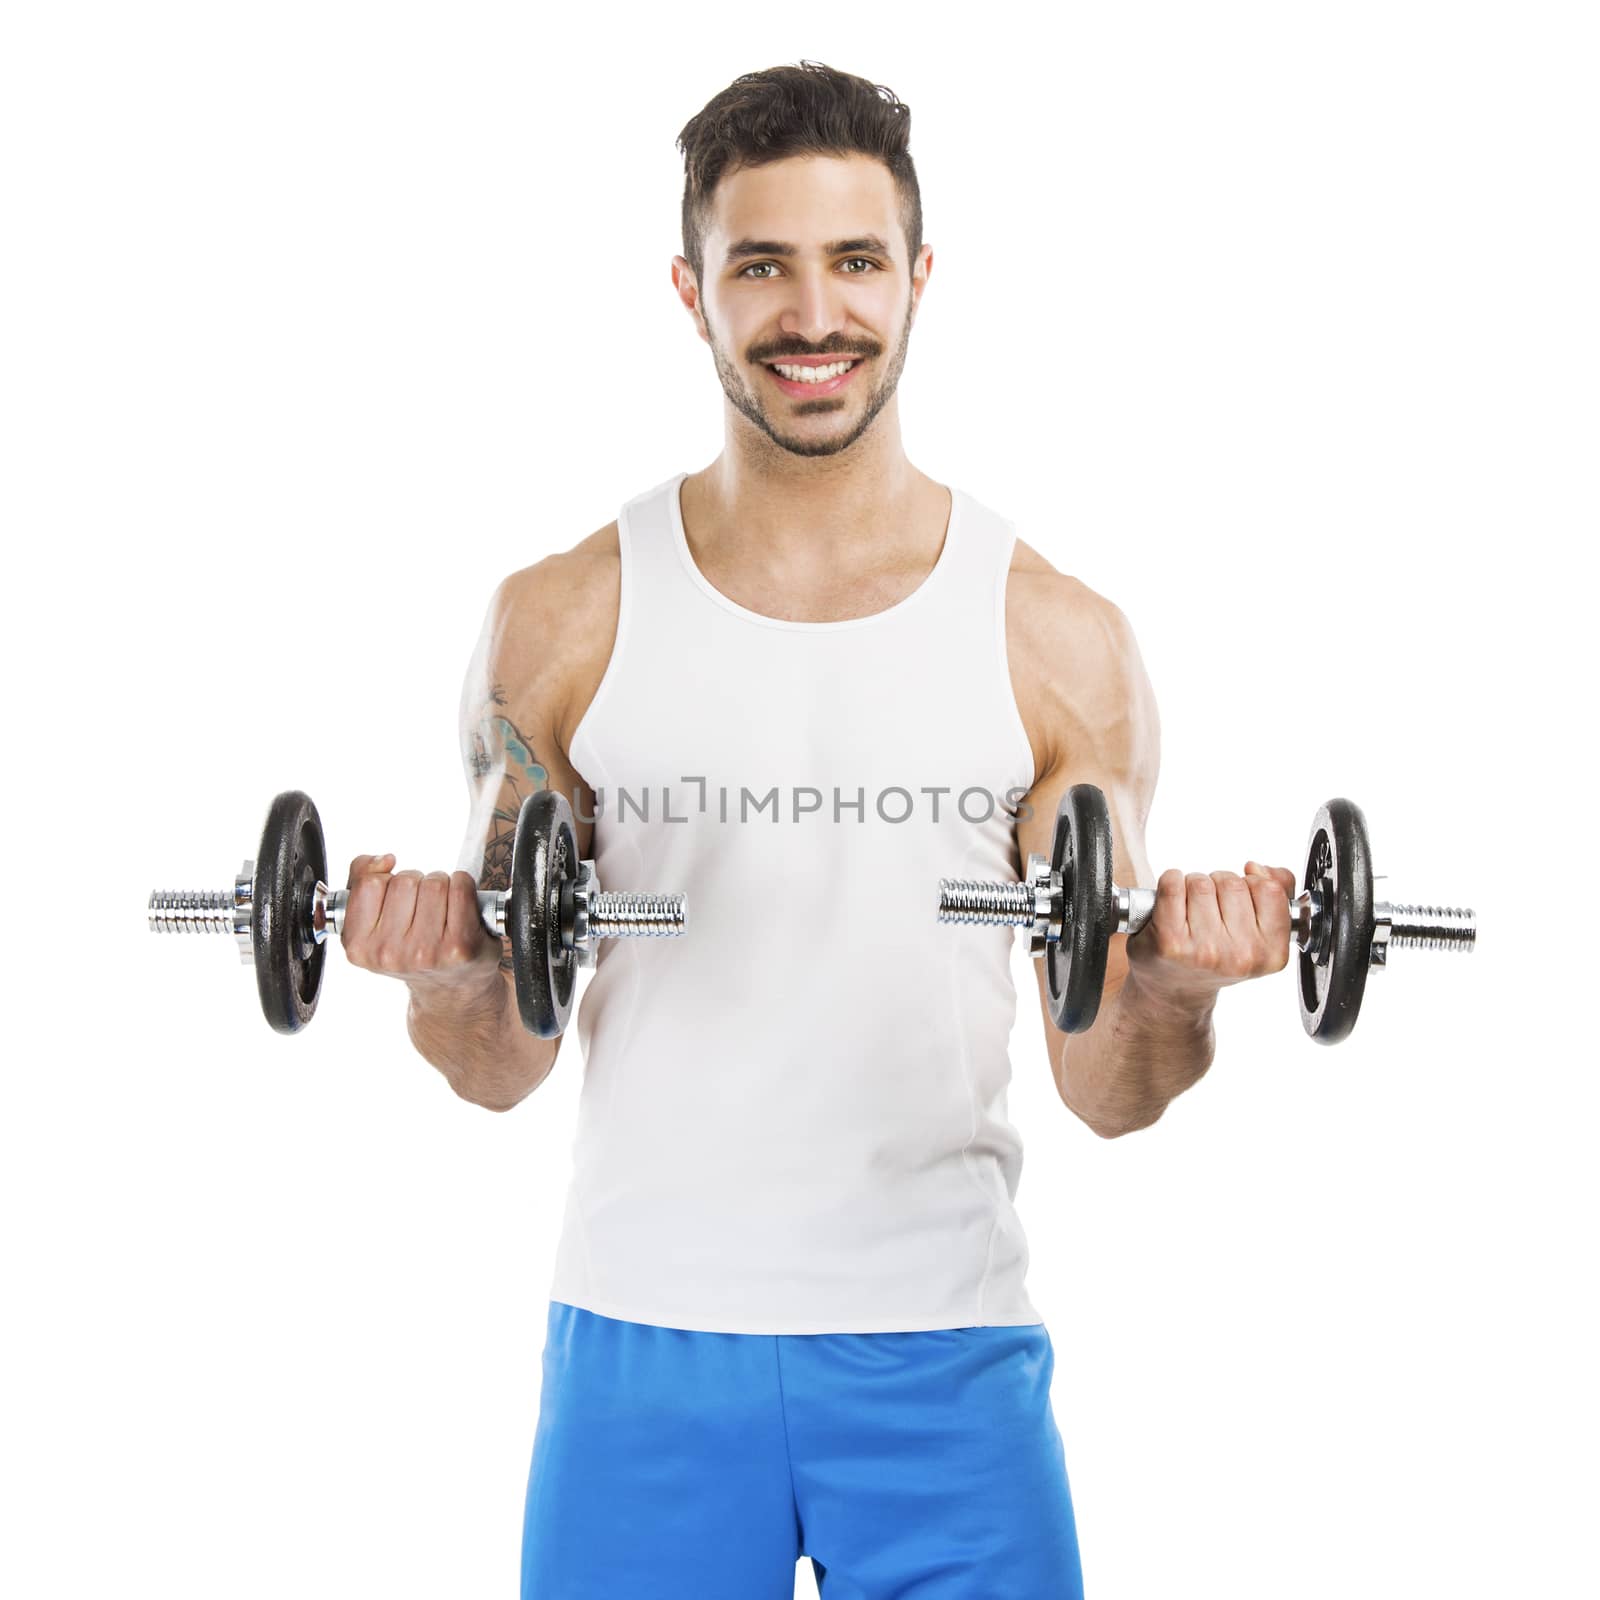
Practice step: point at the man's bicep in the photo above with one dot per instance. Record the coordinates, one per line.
(507, 756)
(1104, 729)
(508, 713)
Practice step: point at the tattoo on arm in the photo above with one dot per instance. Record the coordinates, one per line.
(499, 745)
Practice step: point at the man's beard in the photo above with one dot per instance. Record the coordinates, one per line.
(744, 399)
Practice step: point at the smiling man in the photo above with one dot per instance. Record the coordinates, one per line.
(803, 684)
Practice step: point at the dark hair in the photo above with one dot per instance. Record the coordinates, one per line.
(808, 109)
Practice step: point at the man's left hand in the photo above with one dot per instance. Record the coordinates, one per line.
(1211, 930)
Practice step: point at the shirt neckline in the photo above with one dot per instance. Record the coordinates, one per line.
(698, 578)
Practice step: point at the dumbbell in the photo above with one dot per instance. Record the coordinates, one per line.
(1339, 932)
(282, 911)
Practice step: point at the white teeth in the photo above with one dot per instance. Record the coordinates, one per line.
(812, 374)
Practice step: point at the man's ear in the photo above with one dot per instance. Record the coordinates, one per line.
(925, 256)
(688, 290)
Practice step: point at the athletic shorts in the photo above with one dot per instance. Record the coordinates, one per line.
(670, 1464)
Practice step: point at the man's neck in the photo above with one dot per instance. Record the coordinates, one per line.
(760, 504)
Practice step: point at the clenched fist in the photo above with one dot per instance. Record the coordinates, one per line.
(425, 928)
(1210, 930)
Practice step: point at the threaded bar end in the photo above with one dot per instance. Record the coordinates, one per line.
(628, 914)
(191, 910)
(988, 901)
(1432, 928)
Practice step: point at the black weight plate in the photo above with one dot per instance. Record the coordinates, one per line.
(1333, 974)
(1075, 966)
(289, 861)
(544, 860)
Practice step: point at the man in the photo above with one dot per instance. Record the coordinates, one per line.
(802, 684)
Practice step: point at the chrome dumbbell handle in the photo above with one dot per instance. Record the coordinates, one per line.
(1135, 907)
(328, 907)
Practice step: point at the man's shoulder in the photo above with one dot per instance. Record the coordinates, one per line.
(573, 582)
(1074, 661)
(1054, 608)
(556, 622)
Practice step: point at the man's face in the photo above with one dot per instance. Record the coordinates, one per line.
(805, 265)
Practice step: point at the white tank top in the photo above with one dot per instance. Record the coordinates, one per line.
(793, 1116)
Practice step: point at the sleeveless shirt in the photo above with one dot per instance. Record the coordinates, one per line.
(793, 1115)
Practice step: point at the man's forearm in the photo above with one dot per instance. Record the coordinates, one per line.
(475, 1037)
(1142, 1052)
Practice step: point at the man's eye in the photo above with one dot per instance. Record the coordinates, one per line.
(753, 265)
(867, 259)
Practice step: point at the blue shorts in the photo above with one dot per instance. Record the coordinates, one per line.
(670, 1463)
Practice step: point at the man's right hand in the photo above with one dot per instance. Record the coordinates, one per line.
(423, 928)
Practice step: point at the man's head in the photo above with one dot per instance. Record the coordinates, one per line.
(802, 237)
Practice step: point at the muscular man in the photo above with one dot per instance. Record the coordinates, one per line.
(802, 684)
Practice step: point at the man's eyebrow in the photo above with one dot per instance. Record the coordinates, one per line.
(776, 247)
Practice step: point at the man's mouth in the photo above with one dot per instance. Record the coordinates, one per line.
(813, 375)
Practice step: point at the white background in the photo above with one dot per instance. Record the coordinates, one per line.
(1275, 323)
